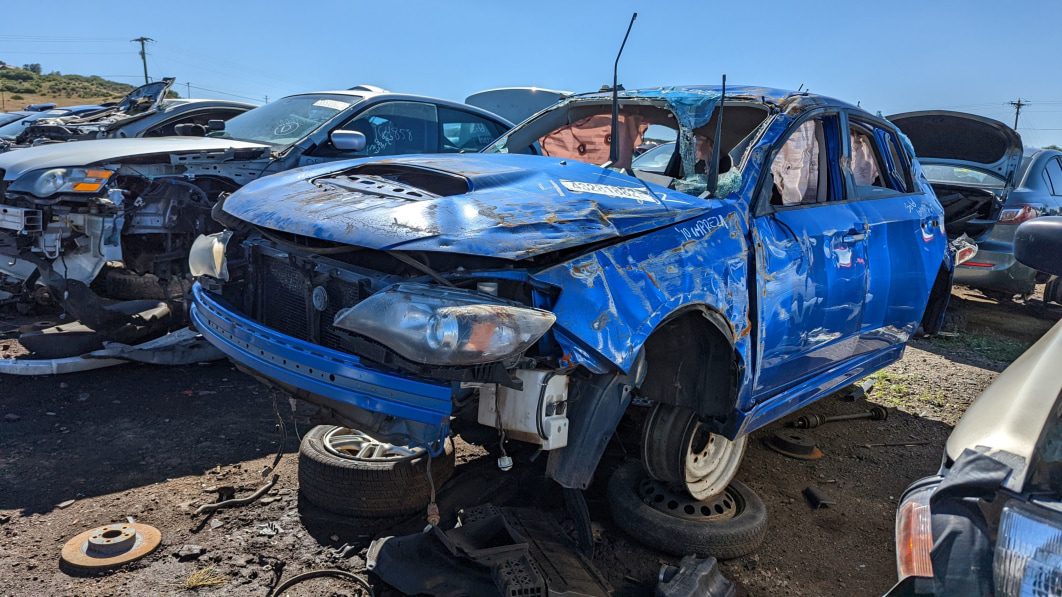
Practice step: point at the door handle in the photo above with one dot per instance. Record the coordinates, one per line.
(853, 235)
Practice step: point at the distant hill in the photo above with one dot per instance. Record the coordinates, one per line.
(27, 85)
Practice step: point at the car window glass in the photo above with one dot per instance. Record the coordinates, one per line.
(1054, 176)
(797, 167)
(655, 159)
(463, 131)
(394, 128)
(286, 120)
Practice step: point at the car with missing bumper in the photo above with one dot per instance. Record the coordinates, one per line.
(790, 246)
(990, 521)
(119, 215)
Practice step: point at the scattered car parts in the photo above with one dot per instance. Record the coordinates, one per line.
(817, 498)
(492, 551)
(793, 444)
(110, 545)
(694, 577)
(726, 526)
(876, 413)
(346, 471)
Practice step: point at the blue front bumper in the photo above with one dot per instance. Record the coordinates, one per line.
(392, 405)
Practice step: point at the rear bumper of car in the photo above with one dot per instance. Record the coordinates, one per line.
(996, 270)
(396, 407)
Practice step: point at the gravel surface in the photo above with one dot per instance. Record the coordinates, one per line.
(152, 444)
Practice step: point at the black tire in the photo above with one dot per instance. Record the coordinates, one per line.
(367, 488)
(127, 285)
(725, 539)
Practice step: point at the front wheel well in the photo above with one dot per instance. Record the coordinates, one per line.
(691, 363)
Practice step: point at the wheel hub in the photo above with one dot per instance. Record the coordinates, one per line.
(679, 504)
(358, 445)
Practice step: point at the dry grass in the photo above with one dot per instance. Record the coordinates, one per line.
(204, 577)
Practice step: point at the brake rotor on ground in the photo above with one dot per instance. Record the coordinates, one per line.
(793, 444)
(111, 545)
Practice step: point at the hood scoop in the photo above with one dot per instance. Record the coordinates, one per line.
(397, 182)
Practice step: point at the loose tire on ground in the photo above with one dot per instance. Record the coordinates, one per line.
(367, 488)
(723, 539)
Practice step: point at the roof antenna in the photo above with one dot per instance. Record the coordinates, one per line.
(613, 150)
(713, 167)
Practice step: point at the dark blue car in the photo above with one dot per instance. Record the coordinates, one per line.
(554, 296)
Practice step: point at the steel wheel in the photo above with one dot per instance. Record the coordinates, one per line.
(711, 462)
(358, 445)
(678, 449)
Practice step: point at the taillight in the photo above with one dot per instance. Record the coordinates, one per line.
(1028, 558)
(914, 534)
(1017, 215)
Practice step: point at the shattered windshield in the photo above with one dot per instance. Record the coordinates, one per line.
(286, 120)
(581, 130)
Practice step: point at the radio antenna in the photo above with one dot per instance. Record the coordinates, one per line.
(613, 150)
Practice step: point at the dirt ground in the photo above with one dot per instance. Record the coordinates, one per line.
(151, 444)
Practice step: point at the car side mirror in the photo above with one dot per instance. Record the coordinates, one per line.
(348, 140)
(1038, 244)
(215, 124)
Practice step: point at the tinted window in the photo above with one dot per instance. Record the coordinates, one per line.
(393, 128)
(1054, 176)
(896, 163)
(465, 132)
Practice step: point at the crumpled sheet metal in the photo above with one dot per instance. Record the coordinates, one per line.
(183, 347)
(635, 285)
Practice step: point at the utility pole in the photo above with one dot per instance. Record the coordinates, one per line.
(143, 53)
(1018, 105)
(267, 99)
(189, 87)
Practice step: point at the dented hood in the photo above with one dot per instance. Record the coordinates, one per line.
(961, 139)
(492, 205)
(104, 151)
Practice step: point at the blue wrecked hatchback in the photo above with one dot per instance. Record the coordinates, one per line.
(549, 288)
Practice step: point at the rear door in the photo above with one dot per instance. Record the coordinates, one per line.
(904, 240)
(810, 257)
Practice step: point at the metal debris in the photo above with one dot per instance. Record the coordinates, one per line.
(877, 413)
(794, 445)
(110, 545)
(817, 499)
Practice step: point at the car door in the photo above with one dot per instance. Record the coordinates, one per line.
(811, 275)
(904, 226)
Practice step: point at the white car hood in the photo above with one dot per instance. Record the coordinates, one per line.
(1010, 415)
(87, 153)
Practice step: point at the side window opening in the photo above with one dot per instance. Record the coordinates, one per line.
(865, 163)
(169, 128)
(1053, 171)
(898, 167)
(464, 132)
(798, 168)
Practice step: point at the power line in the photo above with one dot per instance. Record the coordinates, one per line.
(1018, 105)
(253, 99)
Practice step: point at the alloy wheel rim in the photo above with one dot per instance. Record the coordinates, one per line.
(352, 444)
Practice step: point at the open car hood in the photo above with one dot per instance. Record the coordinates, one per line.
(961, 139)
(492, 205)
(108, 151)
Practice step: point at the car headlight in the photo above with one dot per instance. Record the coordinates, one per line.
(1028, 558)
(442, 326)
(914, 531)
(45, 183)
(207, 255)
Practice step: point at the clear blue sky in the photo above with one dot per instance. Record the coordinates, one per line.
(971, 55)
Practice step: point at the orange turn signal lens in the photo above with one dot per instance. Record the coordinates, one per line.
(914, 536)
(87, 187)
(98, 173)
